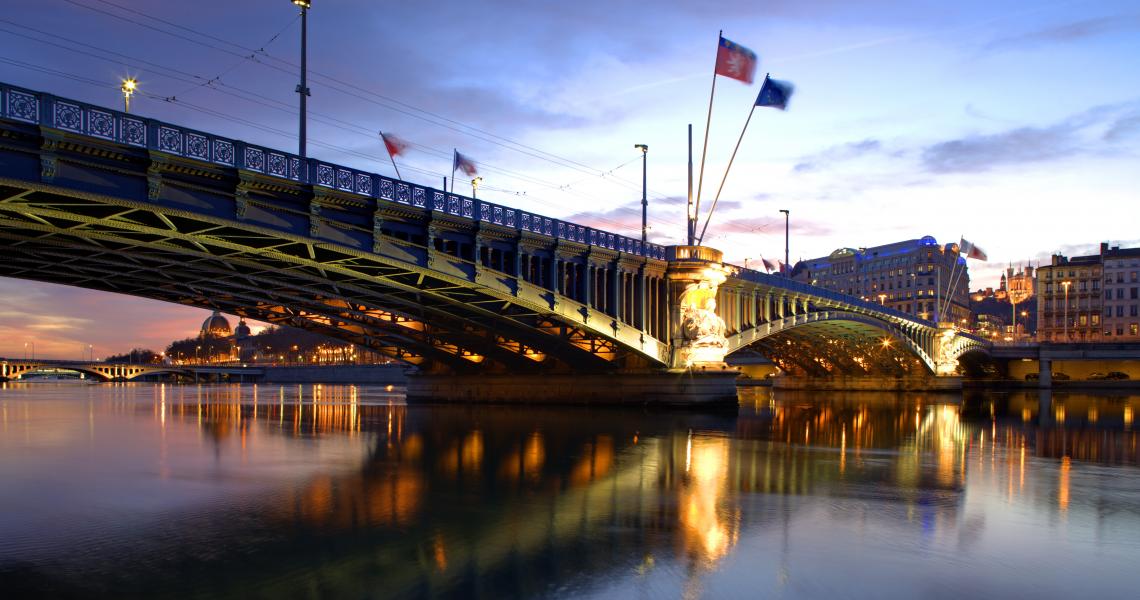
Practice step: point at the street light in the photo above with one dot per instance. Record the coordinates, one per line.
(644, 202)
(1024, 315)
(196, 359)
(129, 87)
(787, 230)
(303, 87)
(475, 186)
(882, 299)
(1066, 284)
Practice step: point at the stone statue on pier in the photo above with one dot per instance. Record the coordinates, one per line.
(700, 325)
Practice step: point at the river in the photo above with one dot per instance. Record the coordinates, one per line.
(319, 491)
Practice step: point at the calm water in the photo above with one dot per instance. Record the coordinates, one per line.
(340, 491)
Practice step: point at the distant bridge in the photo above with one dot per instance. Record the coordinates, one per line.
(11, 368)
(100, 199)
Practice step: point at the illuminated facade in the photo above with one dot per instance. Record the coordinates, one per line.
(1094, 298)
(913, 276)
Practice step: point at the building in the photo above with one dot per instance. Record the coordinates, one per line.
(1121, 290)
(1074, 305)
(913, 276)
(215, 326)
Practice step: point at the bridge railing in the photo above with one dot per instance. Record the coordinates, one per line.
(117, 127)
(792, 285)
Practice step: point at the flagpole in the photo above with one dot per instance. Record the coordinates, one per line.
(689, 228)
(708, 123)
(723, 179)
(455, 154)
(392, 158)
(953, 274)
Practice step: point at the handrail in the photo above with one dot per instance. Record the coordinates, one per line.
(109, 125)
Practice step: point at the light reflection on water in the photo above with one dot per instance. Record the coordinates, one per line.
(333, 491)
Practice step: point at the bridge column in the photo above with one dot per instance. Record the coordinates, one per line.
(616, 293)
(1044, 372)
(698, 337)
(946, 364)
(642, 299)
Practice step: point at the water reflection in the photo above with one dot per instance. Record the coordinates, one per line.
(348, 489)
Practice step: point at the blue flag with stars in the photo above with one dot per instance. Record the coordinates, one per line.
(774, 93)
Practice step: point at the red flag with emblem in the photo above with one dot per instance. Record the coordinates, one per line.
(395, 145)
(735, 61)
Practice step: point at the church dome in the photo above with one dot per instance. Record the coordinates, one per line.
(215, 326)
(242, 330)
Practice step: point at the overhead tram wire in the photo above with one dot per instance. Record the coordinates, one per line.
(272, 103)
(448, 123)
(292, 66)
(258, 126)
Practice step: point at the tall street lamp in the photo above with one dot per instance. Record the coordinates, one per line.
(303, 87)
(129, 86)
(787, 230)
(1066, 284)
(475, 186)
(644, 201)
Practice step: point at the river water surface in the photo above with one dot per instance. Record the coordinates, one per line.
(140, 490)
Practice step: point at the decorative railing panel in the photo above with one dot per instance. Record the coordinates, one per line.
(80, 118)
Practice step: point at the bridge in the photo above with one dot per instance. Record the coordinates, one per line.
(11, 368)
(482, 298)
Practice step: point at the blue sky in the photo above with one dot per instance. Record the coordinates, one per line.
(1015, 124)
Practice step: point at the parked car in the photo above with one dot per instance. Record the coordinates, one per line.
(1109, 376)
(1032, 376)
(1059, 376)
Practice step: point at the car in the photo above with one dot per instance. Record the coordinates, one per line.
(1059, 376)
(1116, 376)
(1097, 376)
(1032, 376)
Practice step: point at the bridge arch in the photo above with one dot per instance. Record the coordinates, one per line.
(833, 336)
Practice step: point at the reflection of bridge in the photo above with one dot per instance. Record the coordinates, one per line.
(104, 200)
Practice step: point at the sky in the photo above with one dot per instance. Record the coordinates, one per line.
(1013, 124)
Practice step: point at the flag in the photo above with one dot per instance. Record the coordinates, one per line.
(395, 145)
(769, 266)
(774, 93)
(969, 250)
(462, 163)
(735, 61)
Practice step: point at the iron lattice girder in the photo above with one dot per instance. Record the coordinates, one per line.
(208, 283)
(906, 333)
(857, 346)
(420, 292)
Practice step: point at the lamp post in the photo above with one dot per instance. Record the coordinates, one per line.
(787, 230)
(1024, 318)
(644, 201)
(303, 87)
(90, 353)
(475, 186)
(883, 299)
(129, 86)
(196, 350)
(1066, 284)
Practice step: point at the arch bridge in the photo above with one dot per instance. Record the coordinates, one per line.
(11, 368)
(456, 286)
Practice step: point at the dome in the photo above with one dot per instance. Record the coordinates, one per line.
(242, 330)
(215, 326)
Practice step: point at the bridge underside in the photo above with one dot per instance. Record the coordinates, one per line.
(828, 348)
(410, 313)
